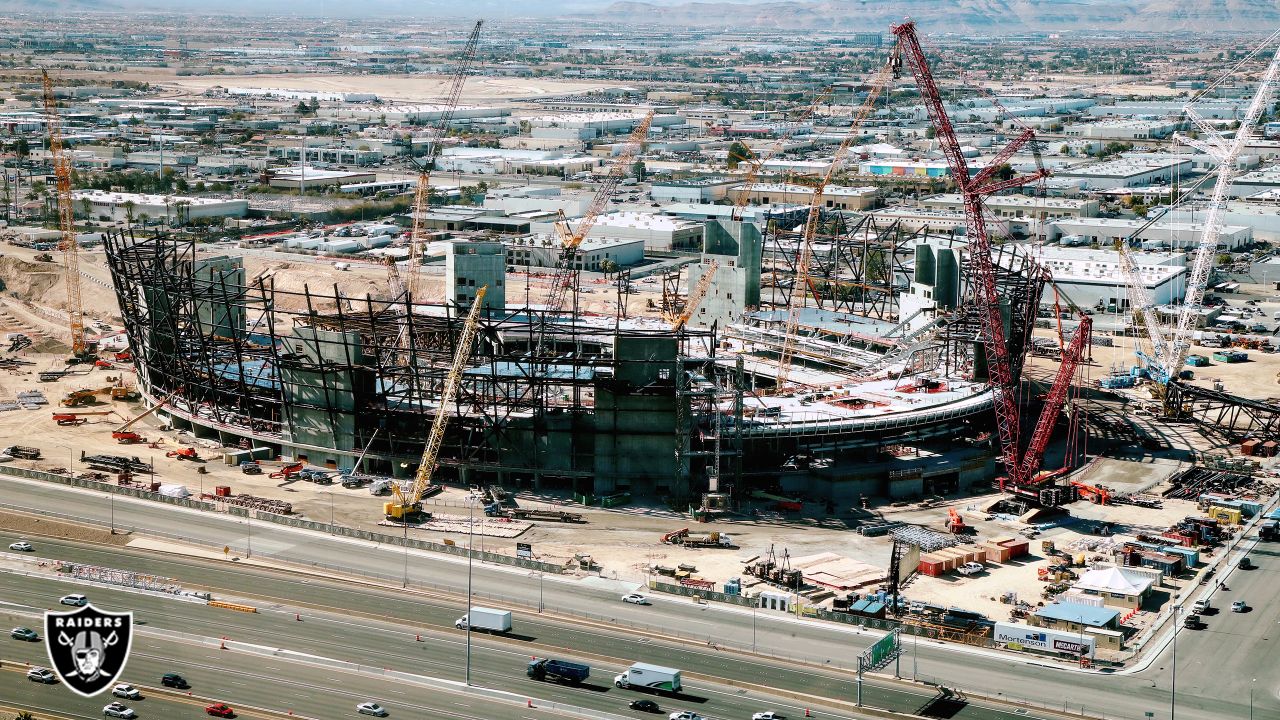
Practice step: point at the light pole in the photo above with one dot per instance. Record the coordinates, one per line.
(404, 522)
(471, 532)
(248, 519)
(330, 512)
(1173, 684)
(113, 512)
(753, 624)
(540, 591)
(915, 653)
(1251, 698)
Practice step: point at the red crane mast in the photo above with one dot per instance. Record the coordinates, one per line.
(1021, 467)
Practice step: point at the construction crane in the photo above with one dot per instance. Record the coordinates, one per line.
(405, 506)
(566, 272)
(804, 252)
(80, 351)
(696, 296)
(1021, 465)
(1169, 346)
(125, 436)
(757, 162)
(421, 196)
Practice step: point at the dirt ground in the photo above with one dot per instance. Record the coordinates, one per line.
(30, 525)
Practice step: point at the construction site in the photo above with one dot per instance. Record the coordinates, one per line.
(837, 414)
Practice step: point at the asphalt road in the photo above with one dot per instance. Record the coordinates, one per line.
(1216, 665)
(279, 683)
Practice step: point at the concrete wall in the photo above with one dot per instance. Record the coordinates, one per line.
(736, 285)
(472, 265)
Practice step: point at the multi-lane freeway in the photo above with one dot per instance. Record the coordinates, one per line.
(1216, 666)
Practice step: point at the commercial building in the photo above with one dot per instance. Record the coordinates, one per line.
(1107, 232)
(424, 114)
(835, 197)
(309, 178)
(693, 191)
(1019, 206)
(544, 251)
(659, 232)
(536, 198)
(1125, 129)
(906, 168)
(135, 206)
(1132, 171)
(1093, 278)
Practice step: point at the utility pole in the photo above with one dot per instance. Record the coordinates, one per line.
(471, 532)
(1173, 685)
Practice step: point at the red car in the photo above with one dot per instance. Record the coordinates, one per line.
(220, 710)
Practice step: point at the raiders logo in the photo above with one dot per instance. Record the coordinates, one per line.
(88, 647)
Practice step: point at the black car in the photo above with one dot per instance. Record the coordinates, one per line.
(173, 680)
(644, 705)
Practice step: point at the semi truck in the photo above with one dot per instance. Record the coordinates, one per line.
(655, 678)
(558, 670)
(487, 619)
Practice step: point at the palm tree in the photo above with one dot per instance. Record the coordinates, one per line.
(129, 207)
(87, 206)
(24, 715)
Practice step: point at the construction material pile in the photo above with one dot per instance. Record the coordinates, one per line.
(252, 502)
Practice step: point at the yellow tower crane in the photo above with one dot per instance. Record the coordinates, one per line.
(407, 505)
(696, 296)
(80, 351)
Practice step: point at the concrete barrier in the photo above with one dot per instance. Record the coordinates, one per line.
(233, 606)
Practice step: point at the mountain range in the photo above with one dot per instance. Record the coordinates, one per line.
(988, 17)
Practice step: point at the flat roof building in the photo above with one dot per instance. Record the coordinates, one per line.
(309, 178)
(179, 208)
(1160, 235)
(1129, 171)
(543, 251)
(659, 232)
(1019, 206)
(836, 197)
(1127, 129)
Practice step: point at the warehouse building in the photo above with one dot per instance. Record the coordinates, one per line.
(1128, 172)
(1160, 235)
(544, 251)
(133, 206)
(1093, 278)
(1127, 129)
(835, 197)
(309, 178)
(1019, 206)
(662, 233)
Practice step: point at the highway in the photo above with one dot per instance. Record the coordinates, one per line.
(1228, 654)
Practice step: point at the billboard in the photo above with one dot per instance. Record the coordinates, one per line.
(1019, 636)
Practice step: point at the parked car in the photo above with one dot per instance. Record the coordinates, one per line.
(371, 708)
(21, 546)
(970, 568)
(41, 675)
(635, 599)
(76, 600)
(24, 633)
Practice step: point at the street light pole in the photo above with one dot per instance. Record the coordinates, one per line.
(113, 512)
(1173, 685)
(248, 519)
(1251, 698)
(471, 532)
(404, 522)
(753, 625)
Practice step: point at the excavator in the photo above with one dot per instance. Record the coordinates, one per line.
(406, 507)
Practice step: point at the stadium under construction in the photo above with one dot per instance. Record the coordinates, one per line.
(884, 380)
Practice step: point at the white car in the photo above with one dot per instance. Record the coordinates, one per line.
(77, 600)
(42, 675)
(766, 715)
(21, 546)
(635, 599)
(371, 708)
(971, 568)
(1239, 606)
(116, 710)
(685, 715)
(125, 690)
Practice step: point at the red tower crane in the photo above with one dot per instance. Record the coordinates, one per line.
(1021, 466)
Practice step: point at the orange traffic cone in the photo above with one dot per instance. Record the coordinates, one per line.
(529, 702)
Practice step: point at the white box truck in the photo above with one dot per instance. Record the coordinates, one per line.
(643, 676)
(485, 619)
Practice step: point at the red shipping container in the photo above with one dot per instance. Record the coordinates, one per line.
(222, 491)
(1249, 447)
